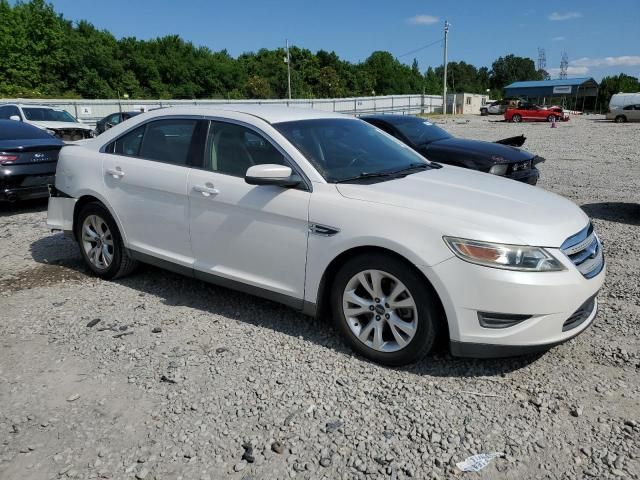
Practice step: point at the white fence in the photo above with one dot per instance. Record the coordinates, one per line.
(90, 111)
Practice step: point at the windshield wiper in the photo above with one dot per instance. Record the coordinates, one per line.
(391, 173)
(365, 175)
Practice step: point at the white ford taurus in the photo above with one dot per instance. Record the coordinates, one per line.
(326, 213)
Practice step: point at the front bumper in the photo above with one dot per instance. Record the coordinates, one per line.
(549, 298)
(529, 176)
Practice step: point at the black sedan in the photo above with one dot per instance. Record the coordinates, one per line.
(111, 120)
(435, 144)
(28, 158)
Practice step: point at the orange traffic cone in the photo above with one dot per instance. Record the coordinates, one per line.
(553, 122)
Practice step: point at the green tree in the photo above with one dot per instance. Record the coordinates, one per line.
(509, 69)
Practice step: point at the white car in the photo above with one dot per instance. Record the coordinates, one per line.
(57, 122)
(328, 214)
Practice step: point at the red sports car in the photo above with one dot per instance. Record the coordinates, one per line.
(534, 113)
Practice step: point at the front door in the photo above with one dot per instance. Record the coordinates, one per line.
(145, 172)
(255, 235)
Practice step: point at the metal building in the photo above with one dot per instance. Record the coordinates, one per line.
(575, 93)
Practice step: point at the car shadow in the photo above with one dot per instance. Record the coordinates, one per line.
(619, 212)
(23, 206)
(181, 291)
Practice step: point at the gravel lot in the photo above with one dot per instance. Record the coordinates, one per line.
(180, 379)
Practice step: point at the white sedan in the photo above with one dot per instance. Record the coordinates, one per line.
(328, 214)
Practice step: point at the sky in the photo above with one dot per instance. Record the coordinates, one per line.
(599, 41)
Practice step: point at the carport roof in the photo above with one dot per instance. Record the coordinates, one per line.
(558, 82)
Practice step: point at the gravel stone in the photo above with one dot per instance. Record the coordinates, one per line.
(157, 397)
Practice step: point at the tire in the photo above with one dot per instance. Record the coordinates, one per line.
(551, 117)
(620, 119)
(516, 118)
(94, 228)
(417, 315)
(484, 112)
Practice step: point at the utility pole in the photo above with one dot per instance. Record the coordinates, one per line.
(444, 83)
(288, 62)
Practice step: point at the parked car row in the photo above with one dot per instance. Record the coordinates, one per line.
(331, 214)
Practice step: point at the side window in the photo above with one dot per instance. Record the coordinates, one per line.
(232, 149)
(628, 107)
(129, 144)
(168, 141)
(114, 119)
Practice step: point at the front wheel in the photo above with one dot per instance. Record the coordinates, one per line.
(100, 243)
(621, 119)
(516, 118)
(551, 118)
(385, 310)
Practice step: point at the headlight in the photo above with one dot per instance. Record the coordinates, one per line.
(499, 169)
(50, 132)
(507, 257)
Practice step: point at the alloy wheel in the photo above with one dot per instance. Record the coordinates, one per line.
(97, 241)
(380, 310)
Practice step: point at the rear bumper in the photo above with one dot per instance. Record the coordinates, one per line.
(60, 213)
(26, 181)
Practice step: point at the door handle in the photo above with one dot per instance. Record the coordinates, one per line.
(115, 173)
(206, 190)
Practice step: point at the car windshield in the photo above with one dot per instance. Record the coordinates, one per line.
(47, 115)
(420, 132)
(341, 149)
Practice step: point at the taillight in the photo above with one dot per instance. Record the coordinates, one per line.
(5, 159)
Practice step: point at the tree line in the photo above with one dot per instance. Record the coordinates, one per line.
(43, 55)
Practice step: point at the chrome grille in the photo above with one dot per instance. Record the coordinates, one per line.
(585, 251)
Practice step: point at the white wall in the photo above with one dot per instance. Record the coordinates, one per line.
(90, 111)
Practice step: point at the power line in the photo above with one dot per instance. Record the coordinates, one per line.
(420, 48)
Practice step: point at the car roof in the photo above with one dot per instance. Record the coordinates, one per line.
(393, 119)
(268, 113)
(32, 105)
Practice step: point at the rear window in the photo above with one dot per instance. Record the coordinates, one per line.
(41, 114)
(12, 130)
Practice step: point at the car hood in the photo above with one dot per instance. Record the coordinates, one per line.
(477, 147)
(62, 125)
(477, 205)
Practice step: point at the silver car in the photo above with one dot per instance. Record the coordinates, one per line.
(628, 113)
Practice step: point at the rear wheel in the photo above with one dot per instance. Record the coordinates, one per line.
(516, 118)
(100, 243)
(385, 310)
(621, 119)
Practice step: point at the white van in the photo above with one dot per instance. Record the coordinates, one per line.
(624, 107)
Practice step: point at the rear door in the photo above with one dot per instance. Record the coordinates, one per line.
(255, 235)
(145, 174)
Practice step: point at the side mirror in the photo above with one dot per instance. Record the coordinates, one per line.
(108, 126)
(15, 118)
(271, 174)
